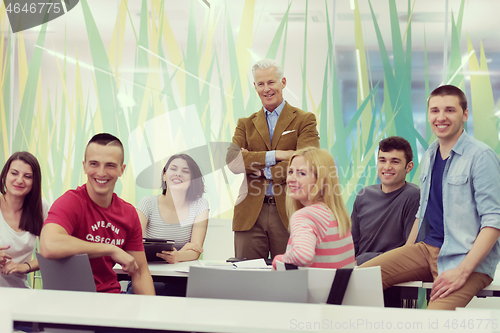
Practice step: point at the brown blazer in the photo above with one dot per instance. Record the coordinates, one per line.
(295, 129)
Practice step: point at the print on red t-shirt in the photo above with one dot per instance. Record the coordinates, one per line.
(117, 225)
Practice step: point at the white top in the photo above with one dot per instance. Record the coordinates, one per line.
(21, 249)
(159, 229)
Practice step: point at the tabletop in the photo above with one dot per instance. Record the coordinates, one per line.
(218, 315)
(180, 269)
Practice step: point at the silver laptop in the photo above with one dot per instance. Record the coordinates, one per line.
(253, 285)
(70, 273)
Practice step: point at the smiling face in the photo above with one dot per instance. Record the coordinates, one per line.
(447, 118)
(300, 180)
(392, 169)
(178, 175)
(19, 179)
(102, 166)
(269, 87)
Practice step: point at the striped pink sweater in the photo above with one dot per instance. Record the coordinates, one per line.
(315, 241)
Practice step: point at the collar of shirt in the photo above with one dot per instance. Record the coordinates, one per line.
(272, 118)
(458, 148)
(461, 143)
(276, 111)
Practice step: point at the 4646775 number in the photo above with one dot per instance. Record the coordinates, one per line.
(34, 7)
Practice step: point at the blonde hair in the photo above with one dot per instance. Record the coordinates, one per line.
(327, 188)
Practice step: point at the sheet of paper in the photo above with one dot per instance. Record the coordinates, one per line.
(183, 269)
(280, 266)
(208, 263)
(251, 264)
(217, 264)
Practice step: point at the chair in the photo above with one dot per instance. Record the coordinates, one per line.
(70, 273)
(256, 285)
(364, 287)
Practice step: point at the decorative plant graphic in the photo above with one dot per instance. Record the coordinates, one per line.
(54, 122)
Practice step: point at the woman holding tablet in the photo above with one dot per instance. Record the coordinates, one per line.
(320, 227)
(21, 218)
(180, 213)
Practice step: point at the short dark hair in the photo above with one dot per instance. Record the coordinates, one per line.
(397, 143)
(197, 186)
(32, 214)
(449, 90)
(106, 139)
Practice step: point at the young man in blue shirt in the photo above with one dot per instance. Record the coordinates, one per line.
(454, 240)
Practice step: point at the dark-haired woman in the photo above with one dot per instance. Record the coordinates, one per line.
(21, 218)
(180, 213)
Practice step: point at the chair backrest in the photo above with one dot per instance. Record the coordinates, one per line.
(364, 287)
(70, 273)
(256, 285)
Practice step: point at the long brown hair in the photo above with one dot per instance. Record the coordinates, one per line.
(197, 186)
(32, 215)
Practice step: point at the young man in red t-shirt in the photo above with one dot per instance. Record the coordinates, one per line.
(94, 220)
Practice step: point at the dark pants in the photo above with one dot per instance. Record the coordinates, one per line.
(267, 235)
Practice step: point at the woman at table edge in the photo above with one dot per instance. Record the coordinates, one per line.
(180, 213)
(22, 213)
(320, 227)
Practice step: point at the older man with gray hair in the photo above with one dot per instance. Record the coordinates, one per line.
(266, 140)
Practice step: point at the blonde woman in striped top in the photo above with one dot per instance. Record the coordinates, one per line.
(320, 227)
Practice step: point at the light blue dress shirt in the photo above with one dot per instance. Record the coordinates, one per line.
(471, 201)
(272, 119)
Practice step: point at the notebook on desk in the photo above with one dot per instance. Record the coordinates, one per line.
(268, 261)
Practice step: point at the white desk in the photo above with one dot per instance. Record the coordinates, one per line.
(364, 319)
(149, 312)
(213, 315)
(495, 316)
(162, 269)
(181, 269)
(5, 318)
(414, 284)
(409, 293)
(493, 290)
(174, 274)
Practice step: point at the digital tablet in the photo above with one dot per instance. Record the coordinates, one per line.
(154, 246)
